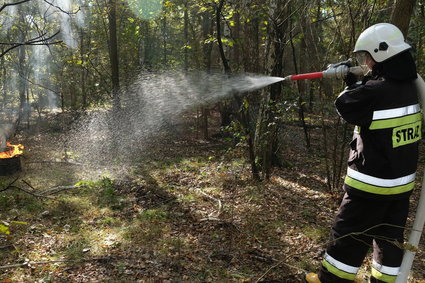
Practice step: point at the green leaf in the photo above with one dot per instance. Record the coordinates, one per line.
(203, 9)
(168, 4)
(4, 229)
(245, 104)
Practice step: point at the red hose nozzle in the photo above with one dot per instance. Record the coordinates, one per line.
(330, 73)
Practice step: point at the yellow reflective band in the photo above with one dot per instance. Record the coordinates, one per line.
(380, 182)
(395, 122)
(389, 270)
(341, 274)
(407, 134)
(376, 189)
(383, 277)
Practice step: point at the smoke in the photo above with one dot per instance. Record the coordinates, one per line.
(66, 13)
(152, 109)
(6, 130)
(80, 17)
(38, 59)
(67, 32)
(53, 14)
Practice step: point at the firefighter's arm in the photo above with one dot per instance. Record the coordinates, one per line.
(354, 105)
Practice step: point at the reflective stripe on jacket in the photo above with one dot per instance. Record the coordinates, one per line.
(384, 150)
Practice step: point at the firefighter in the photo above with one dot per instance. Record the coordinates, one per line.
(382, 160)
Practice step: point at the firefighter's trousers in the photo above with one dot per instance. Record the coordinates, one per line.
(362, 224)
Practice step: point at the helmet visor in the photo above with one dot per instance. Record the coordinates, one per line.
(361, 58)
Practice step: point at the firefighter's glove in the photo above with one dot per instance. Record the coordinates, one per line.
(350, 79)
(348, 63)
(339, 70)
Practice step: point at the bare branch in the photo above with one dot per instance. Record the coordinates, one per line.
(12, 4)
(62, 10)
(59, 189)
(40, 85)
(23, 190)
(7, 187)
(50, 3)
(29, 263)
(39, 40)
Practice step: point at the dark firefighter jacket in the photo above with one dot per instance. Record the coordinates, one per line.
(384, 150)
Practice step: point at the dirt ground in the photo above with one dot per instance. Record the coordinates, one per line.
(188, 211)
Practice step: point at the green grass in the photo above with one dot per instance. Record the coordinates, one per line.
(109, 221)
(318, 234)
(154, 215)
(75, 250)
(309, 214)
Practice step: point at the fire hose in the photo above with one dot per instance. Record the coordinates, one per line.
(338, 71)
(418, 224)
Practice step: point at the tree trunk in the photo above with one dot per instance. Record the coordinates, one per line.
(28, 108)
(148, 48)
(237, 34)
(186, 37)
(224, 60)
(225, 108)
(401, 14)
(243, 116)
(267, 125)
(252, 54)
(300, 89)
(315, 55)
(73, 97)
(207, 30)
(22, 83)
(83, 71)
(113, 53)
(164, 40)
(4, 80)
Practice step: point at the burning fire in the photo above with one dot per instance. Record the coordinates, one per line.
(14, 150)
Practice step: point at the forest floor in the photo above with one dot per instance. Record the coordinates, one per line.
(186, 212)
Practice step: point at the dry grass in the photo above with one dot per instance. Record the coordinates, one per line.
(189, 213)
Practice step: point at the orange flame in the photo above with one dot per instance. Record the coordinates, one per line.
(14, 150)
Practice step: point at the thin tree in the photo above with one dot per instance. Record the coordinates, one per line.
(402, 13)
(266, 137)
(243, 116)
(113, 53)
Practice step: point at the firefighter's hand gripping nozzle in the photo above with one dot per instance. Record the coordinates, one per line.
(334, 71)
(338, 70)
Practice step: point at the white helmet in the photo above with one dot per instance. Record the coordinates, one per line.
(381, 41)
